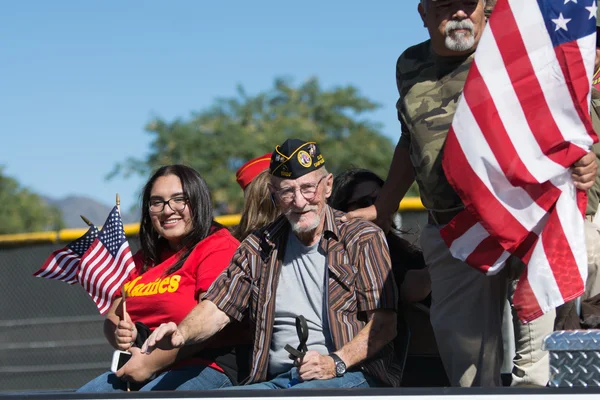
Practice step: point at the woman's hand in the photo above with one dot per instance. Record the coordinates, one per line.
(125, 334)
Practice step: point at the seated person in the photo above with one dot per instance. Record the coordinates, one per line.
(305, 264)
(259, 208)
(182, 251)
(358, 188)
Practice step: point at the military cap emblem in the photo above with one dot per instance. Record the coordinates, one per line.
(295, 158)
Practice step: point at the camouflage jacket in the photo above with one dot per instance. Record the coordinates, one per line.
(429, 87)
(594, 192)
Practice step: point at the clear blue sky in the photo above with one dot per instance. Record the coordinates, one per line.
(80, 79)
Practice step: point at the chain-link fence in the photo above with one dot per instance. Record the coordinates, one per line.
(51, 333)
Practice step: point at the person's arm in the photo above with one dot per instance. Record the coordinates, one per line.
(379, 331)
(199, 325)
(377, 297)
(226, 299)
(142, 366)
(400, 177)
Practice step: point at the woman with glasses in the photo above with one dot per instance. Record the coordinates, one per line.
(182, 251)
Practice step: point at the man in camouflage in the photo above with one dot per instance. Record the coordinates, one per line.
(489, 7)
(592, 224)
(466, 310)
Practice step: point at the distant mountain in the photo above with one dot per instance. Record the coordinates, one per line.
(72, 207)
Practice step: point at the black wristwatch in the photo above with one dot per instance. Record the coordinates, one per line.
(340, 366)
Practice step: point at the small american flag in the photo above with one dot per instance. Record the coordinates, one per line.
(107, 263)
(522, 122)
(63, 264)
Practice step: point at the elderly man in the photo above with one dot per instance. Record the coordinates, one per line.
(466, 310)
(307, 263)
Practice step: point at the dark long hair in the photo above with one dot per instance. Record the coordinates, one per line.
(345, 183)
(402, 251)
(201, 212)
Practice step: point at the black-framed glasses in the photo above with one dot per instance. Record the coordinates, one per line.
(308, 191)
(176, 204)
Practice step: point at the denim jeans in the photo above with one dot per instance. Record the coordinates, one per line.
(291, 378)
(192, 377)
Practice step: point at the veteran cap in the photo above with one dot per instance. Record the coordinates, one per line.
(295, 158)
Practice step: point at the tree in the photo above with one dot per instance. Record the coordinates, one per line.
(24, 211)
(220, 139)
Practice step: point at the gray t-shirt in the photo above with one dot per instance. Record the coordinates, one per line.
(299, 292)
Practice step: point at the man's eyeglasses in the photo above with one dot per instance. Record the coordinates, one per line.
(308, 191)
(176, 204)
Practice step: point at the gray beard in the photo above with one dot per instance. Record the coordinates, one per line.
(303, 229)
(459, 42)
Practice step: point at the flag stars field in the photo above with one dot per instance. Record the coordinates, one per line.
(561, 22)
(593, 9)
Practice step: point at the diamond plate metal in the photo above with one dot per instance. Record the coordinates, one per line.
(574, 358)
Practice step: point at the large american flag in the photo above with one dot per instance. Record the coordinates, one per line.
(107, 263)
(63, 264)
(523, 120)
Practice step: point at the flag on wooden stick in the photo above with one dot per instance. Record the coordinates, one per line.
(107, 263)
(63, 264)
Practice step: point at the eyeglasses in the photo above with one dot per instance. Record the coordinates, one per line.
(176, 204)
(308, 191)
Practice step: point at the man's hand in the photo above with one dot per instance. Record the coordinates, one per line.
(316, 366)
(370, 214)
(584, 171)
(165, 337)
(136, 369)
(125, 333)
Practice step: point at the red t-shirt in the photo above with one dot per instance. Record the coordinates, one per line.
(155, 298)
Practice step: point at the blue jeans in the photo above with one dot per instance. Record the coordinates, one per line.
(350, 380)
(192, 377)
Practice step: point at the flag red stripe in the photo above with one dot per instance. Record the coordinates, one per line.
(485, 254)
(97, 255)
(458, 226)
(525, 302)
(68, 266)
(507, 227)
(573, 68)
(115, 269)
(484, 111)
(110, 288)
(50, 263)
(561, 258)
(101, 263)
(528, 89)
(55, 265)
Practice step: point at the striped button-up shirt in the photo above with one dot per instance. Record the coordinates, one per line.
(360, 280)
